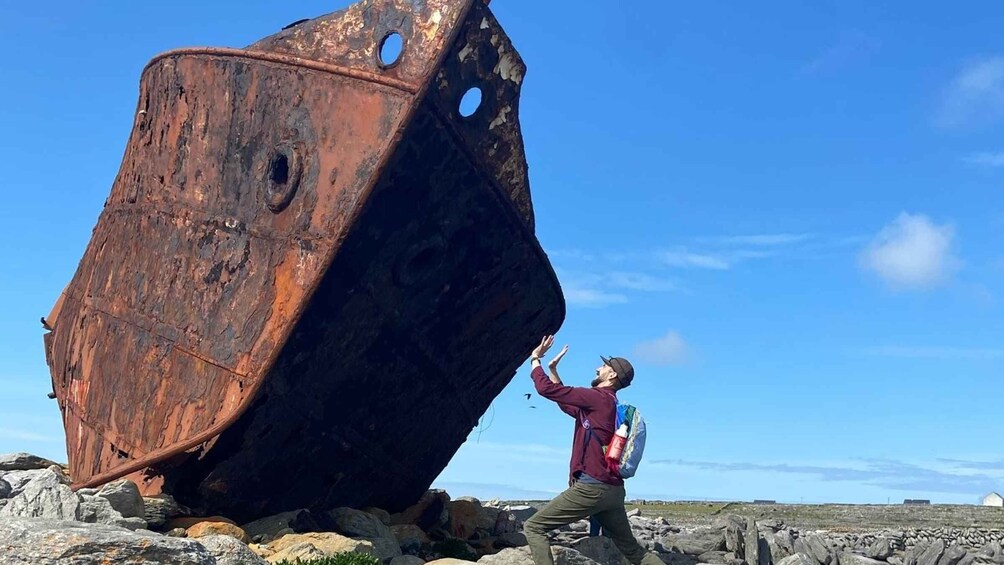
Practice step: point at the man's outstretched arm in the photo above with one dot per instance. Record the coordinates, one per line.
(567, 395)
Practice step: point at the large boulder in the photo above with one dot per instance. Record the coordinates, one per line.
(932, 555)
(953, 554)
(49, 542)
(781, 543)
(522, 512)
(229, 551)
(881, 549)
(23, 462)
(203, 529)
(5, 489)
(813, 546)
(359, 524)
(407, 560)
(464, 518)
(124, 497)
(44, 496)
(269, 527)
(751, 544)
(600, 549)
(313, 545)
(734, 539)
(98, 510)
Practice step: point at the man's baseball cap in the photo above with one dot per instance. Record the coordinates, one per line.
(621, 366)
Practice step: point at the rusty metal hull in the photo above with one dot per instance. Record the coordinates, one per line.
(312, 275)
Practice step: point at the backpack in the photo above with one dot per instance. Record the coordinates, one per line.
(627, 464)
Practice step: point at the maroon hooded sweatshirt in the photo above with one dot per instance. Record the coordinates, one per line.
(595, 410)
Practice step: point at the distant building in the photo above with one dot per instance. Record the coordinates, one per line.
(917, 501)
(993, 499)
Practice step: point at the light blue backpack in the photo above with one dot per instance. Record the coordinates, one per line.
(630, 458)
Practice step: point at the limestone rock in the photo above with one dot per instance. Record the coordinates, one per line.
(464, 517)
(203, 529)
(932, 555)
(521, 556)
(953, 554)
(734, 539)
(634, 512)
(798, 559)
(158, 510)
(189, 521)
(600, 549)
(717, 558)
(269, 527)
(50, 542)
(229, 551)
(98, 510)
(410, 537)
(18, 479)
(356, 523)
(408, 560)
(5, 489)
(326, 543)
(751, 544)
(303, 551)
(124, 497)
(701, 540)
(881, 549)
(45, 496)
(781, 543)
(813, 546)
(23, 462)
(847, 558)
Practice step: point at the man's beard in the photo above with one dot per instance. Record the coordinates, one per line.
(595, 382)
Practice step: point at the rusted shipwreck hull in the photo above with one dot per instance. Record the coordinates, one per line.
(313, 274)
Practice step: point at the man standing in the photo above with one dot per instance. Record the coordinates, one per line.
(594, 489)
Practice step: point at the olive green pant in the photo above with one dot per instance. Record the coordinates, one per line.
(605, 503)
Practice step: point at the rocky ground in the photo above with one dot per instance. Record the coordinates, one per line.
(42, 521)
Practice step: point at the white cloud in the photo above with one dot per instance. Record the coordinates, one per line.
(670, 349)
(686, 259)
(592, 290)
(912, 253)
(592, 298)
(760, 239)
(976, 95)
(986, 159)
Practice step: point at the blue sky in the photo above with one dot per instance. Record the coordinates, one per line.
(788, 215)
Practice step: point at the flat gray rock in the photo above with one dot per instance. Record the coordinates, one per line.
(5, 489)
(17, 479)
(23, 462)
(230, 551)
(932, 555)
(49, 542)
(846, 558)
(45, 496)
(798, 559)
(98, 510)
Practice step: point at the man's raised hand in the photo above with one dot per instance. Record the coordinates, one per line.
(545, 343)
(553, 363)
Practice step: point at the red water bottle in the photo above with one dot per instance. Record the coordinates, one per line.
(616, 446)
